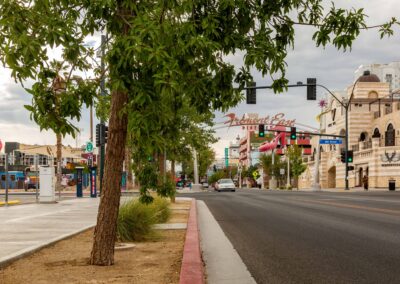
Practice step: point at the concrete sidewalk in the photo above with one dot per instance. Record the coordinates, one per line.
(27, 228)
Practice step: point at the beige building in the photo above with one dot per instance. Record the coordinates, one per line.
(24, 154)
(374, 131)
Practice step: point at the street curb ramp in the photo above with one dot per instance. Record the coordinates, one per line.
(192, 270)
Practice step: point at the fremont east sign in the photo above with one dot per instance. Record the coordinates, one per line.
(253, 119)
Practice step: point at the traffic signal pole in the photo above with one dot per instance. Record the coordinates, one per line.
(347, 146)
(346, 107)
(103, 93)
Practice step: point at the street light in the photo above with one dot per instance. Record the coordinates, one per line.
(312, 82)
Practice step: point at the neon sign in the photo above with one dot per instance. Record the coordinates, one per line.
(276, 120)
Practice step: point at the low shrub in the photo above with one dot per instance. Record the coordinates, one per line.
(135, 219)
(161, 209)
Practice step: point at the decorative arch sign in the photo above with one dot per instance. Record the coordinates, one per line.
(274, 120)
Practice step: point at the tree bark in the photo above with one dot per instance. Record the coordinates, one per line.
(105, 230)
(161, 164)
(173, 169)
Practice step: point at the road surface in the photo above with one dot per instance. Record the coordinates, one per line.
(308, 237)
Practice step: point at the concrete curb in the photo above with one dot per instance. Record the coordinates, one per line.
(5, 261)
(223, 263)
(192, 271)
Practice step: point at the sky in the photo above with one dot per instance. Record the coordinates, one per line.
(332, 68)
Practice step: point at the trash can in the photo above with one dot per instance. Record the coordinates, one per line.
(392, 184)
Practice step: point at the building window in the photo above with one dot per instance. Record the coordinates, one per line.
(363, 136)
(376, 134)
(388, 78)
(389, 136)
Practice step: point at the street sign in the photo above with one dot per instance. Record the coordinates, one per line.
(226, 157)
(282, 171)
(330, 141)
(89, 147)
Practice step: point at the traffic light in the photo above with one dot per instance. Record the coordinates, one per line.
(105, 133)
(343, 156)
(98, 135)
(350, 156)
(251, 97)
(261, 130)
(293, 134)
(311, 89)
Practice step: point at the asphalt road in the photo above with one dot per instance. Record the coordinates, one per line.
(306, 237)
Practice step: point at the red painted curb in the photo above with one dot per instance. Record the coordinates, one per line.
(192, 266)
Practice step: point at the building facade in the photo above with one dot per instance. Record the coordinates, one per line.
(374, 132)
(23, 154)
(389, 73)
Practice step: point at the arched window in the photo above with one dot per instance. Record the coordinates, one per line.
(376, 134)
(373, 95)
(390, 135)
(363, 136)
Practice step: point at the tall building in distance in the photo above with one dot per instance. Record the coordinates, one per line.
(388, 73)
(234, 152)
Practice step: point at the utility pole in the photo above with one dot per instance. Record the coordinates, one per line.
(37, 178)
(272, 181)
(6, 169)
(103, 93)
(316, 184)
(91, 124)
(195, 167)
(288, 171)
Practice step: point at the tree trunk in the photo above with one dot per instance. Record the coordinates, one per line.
(173, 169)
(105, 230)
(161, 164)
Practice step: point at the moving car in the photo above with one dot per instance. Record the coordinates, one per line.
(225, 184)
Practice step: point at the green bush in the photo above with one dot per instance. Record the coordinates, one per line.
(161, 209)
(135, 219)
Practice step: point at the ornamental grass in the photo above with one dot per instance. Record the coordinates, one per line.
(135, 219)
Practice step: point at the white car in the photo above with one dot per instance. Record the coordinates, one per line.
(225, 184)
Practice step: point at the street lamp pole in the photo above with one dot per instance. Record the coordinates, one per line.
(347, 145)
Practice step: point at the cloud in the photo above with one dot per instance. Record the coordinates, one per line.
(332, 68)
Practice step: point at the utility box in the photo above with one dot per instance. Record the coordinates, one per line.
(47, 184)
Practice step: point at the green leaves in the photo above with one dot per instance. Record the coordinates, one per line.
(343, 25)
(386, 29)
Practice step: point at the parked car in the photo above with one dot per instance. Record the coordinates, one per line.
(225, 184)
(205, 185)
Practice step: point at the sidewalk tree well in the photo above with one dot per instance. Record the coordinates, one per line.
(160, 48)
